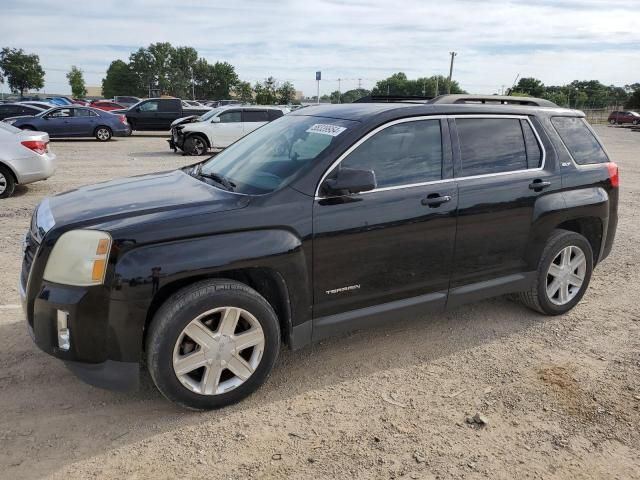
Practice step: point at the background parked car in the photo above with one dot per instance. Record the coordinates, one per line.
(75, 121)
(16, 109)
(125, 101)
(60, 101)
(624, 117)
(158, 113)
(219, 128)
(24, 158)
(106, 105)
(38, 103)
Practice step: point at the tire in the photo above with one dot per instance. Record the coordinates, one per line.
(103, 134)
(202, 306)
(538, 297)
(195, 145)
(635, 122)
(612, 121)
(7, 182)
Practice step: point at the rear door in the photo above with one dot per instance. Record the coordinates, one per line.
(82, 123)
(502, 168)
(253, 119)
(229, 129)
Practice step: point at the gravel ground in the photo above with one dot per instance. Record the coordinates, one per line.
(561, 396)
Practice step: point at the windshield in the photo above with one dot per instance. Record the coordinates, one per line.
(271, 156)
(210, 114)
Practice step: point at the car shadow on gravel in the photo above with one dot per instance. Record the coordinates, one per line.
(44, 404)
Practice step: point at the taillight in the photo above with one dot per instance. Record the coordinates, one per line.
(614, 176)
(37, 146)
(123, 118)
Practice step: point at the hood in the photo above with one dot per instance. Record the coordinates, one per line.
(173, 191)
(189, 119)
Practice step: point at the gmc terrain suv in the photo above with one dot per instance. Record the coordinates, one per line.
(328, 219)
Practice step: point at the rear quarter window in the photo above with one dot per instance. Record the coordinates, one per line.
(579, 140)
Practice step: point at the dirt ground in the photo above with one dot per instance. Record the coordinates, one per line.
(561, 395)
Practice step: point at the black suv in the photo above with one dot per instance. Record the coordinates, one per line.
(325, 220)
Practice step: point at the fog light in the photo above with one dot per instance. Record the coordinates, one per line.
(64, 340)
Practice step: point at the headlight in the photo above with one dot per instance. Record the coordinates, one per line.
(79, 258)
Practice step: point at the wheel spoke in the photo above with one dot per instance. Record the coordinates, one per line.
(189, 362)
(248, 339)
(239, 367)
(211, 379)
(577, 261)
(565, 256)
(574, 280)
(200, 334)
(555, 270)
(229, 321)
(553, 287)
(564, 292)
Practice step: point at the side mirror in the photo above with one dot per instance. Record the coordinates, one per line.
(215, 120)
(349, 180)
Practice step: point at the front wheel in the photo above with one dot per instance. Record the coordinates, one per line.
(195, 145)
(212, 344)
(563, 274)
(7, 183)
(103, 134)
(635, 122)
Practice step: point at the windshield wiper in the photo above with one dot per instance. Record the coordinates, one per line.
(216, 177)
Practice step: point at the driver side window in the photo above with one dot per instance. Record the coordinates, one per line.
(231, 117)
(402, 154)
(149, 107)
(62, 113)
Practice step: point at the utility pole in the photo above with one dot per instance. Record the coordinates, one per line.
(193, 86)
(453, 55)
(339, 92)
(318, 78)
(359, 84)
(437, 78)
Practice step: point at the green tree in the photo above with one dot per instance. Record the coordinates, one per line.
(22, 71)
(286, 93)
(399, 84)
(121, 80)
(633, 100)
(266, 92)
(141, 64)
(181, 75)
(243, 92)
(352, 95)
(530, 86)
(76, 81)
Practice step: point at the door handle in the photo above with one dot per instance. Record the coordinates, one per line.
(435, 200)
(538, 184)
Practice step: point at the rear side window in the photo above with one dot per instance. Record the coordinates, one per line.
(534, 152)
(491, 145)
(256, 116)
(273, 114)
(581, 143)
(402, 154)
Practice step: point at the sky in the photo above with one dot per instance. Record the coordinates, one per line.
(556, 41)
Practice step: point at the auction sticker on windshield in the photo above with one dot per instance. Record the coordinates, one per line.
(326, 129)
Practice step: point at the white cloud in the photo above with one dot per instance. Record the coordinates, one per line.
(554, 40)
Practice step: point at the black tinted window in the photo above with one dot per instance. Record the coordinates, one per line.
(149, 107)
(273, 114)
(256, 116)
(580, 142)
(402, 154)
(491, 145)
(534, 152)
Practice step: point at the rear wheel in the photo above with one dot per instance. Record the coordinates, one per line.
(103, 134)
(7, 183)
(564, 272)
(212, 344)
(635, 122)
(195, 145)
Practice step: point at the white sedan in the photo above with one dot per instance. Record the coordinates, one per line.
(24, 158)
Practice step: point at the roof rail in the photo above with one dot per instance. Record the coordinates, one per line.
(493, 100)
(393, 99)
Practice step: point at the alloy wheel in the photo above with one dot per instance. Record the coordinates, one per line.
(198, 146)
(3, 183)
(218, 350)
(565, 275)
(103, 134)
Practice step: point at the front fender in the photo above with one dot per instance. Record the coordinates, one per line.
(142, 272)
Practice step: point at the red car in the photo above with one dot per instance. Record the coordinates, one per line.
(106, 105)
(624, 117)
